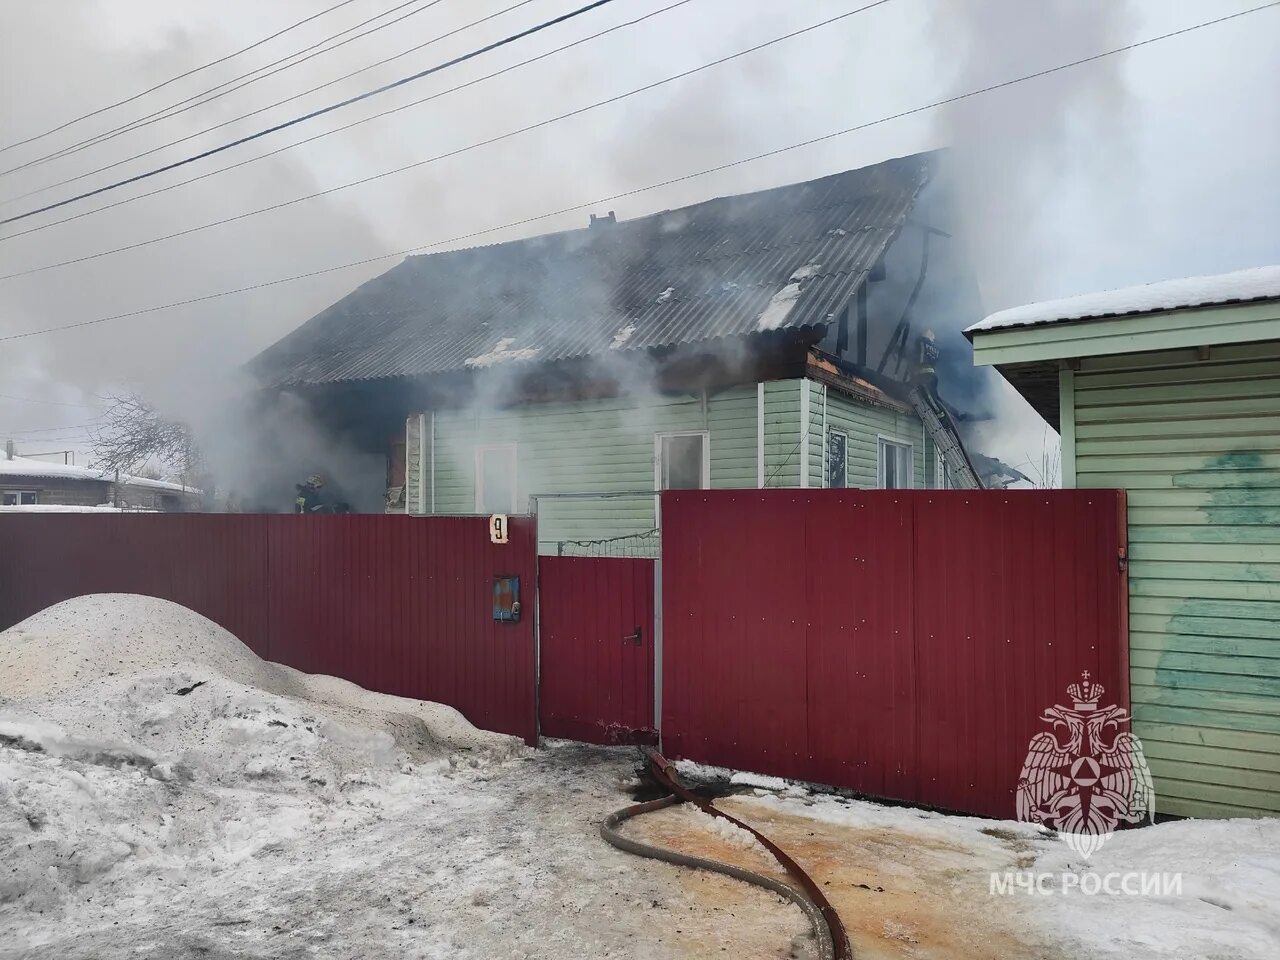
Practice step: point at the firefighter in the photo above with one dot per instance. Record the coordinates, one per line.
(309, 499)
(926, 367)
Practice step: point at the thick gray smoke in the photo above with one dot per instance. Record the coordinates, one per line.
(1151, 164)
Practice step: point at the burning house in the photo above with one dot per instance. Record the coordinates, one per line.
(802, 336)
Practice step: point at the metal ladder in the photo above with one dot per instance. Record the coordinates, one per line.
(959, 469)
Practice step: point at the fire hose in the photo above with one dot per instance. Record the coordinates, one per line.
(833, 942)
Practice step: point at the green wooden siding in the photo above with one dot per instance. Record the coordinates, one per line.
(782, 433)
(1139, 333)
(603, 446)
(606, 446)
(864, 424)
(1196, 445)
(815, 447)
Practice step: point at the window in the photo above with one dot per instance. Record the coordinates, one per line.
(683, 461)
(941, 473)
(837, 459)
(496, 479)
(895, 465)
(18, 498)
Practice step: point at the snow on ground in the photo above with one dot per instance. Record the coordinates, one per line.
(1230, 878)
(165, 793)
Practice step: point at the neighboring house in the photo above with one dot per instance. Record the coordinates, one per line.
(1172, 392)
(769, 339)
(27, 484)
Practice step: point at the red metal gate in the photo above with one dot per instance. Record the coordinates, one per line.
(902, 643)
(596, 650)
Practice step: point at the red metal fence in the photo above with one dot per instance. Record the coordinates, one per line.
(903, 644)
(402, 606)
(596, 649)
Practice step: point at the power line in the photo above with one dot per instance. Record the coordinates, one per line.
(56, 403)
(348, 126)
(79, 428)
(183, 105)
(296, 96)
(323, 110)
(638, 190)
(460, 150)
(165, 83)
(277, 103)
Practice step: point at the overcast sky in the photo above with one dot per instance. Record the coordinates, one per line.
(1158, 162)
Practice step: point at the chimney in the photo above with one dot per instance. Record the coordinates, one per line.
(600, 222)
(8, 449)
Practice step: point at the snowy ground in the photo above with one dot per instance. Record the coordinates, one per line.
(265, 813)
(164, 793)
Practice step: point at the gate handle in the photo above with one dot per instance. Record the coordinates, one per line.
(633, 637)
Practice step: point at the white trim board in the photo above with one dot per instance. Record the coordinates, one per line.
(760, 435)
(804, 433)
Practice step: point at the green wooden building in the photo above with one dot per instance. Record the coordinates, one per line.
(611, 453)
(1172, 392)
(772, 339)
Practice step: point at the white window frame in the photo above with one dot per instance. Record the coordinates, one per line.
(881, 440)
(705, 479)
(826, 457)
(481, 450)
(940, 470)
(19, 494)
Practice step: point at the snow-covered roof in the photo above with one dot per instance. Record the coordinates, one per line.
(1258, 283)
(26, 467)
(67, 508)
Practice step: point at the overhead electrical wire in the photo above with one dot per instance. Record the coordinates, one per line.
(932, 105)
(181, 76)
(546, 24)
(451, 153)
(190, 103)
(348, 126)
(72, 428)
(277, 103)
(56, 403)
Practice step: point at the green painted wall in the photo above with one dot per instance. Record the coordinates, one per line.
(607, 446)
(590, 446)
(1196, 443)
(864, 424)
(782, 433)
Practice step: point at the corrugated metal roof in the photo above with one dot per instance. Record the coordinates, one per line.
(698, 273)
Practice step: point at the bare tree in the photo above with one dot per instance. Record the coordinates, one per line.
(132, 436)
(1047, 475)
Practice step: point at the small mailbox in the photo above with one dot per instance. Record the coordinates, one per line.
(506, 599)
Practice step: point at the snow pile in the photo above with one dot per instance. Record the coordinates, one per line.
(760, 781)
(779, 306)
(139, 739)
(67, 653)
(503, 352)
(1259, 283)
(622, 336)
(698, 819)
